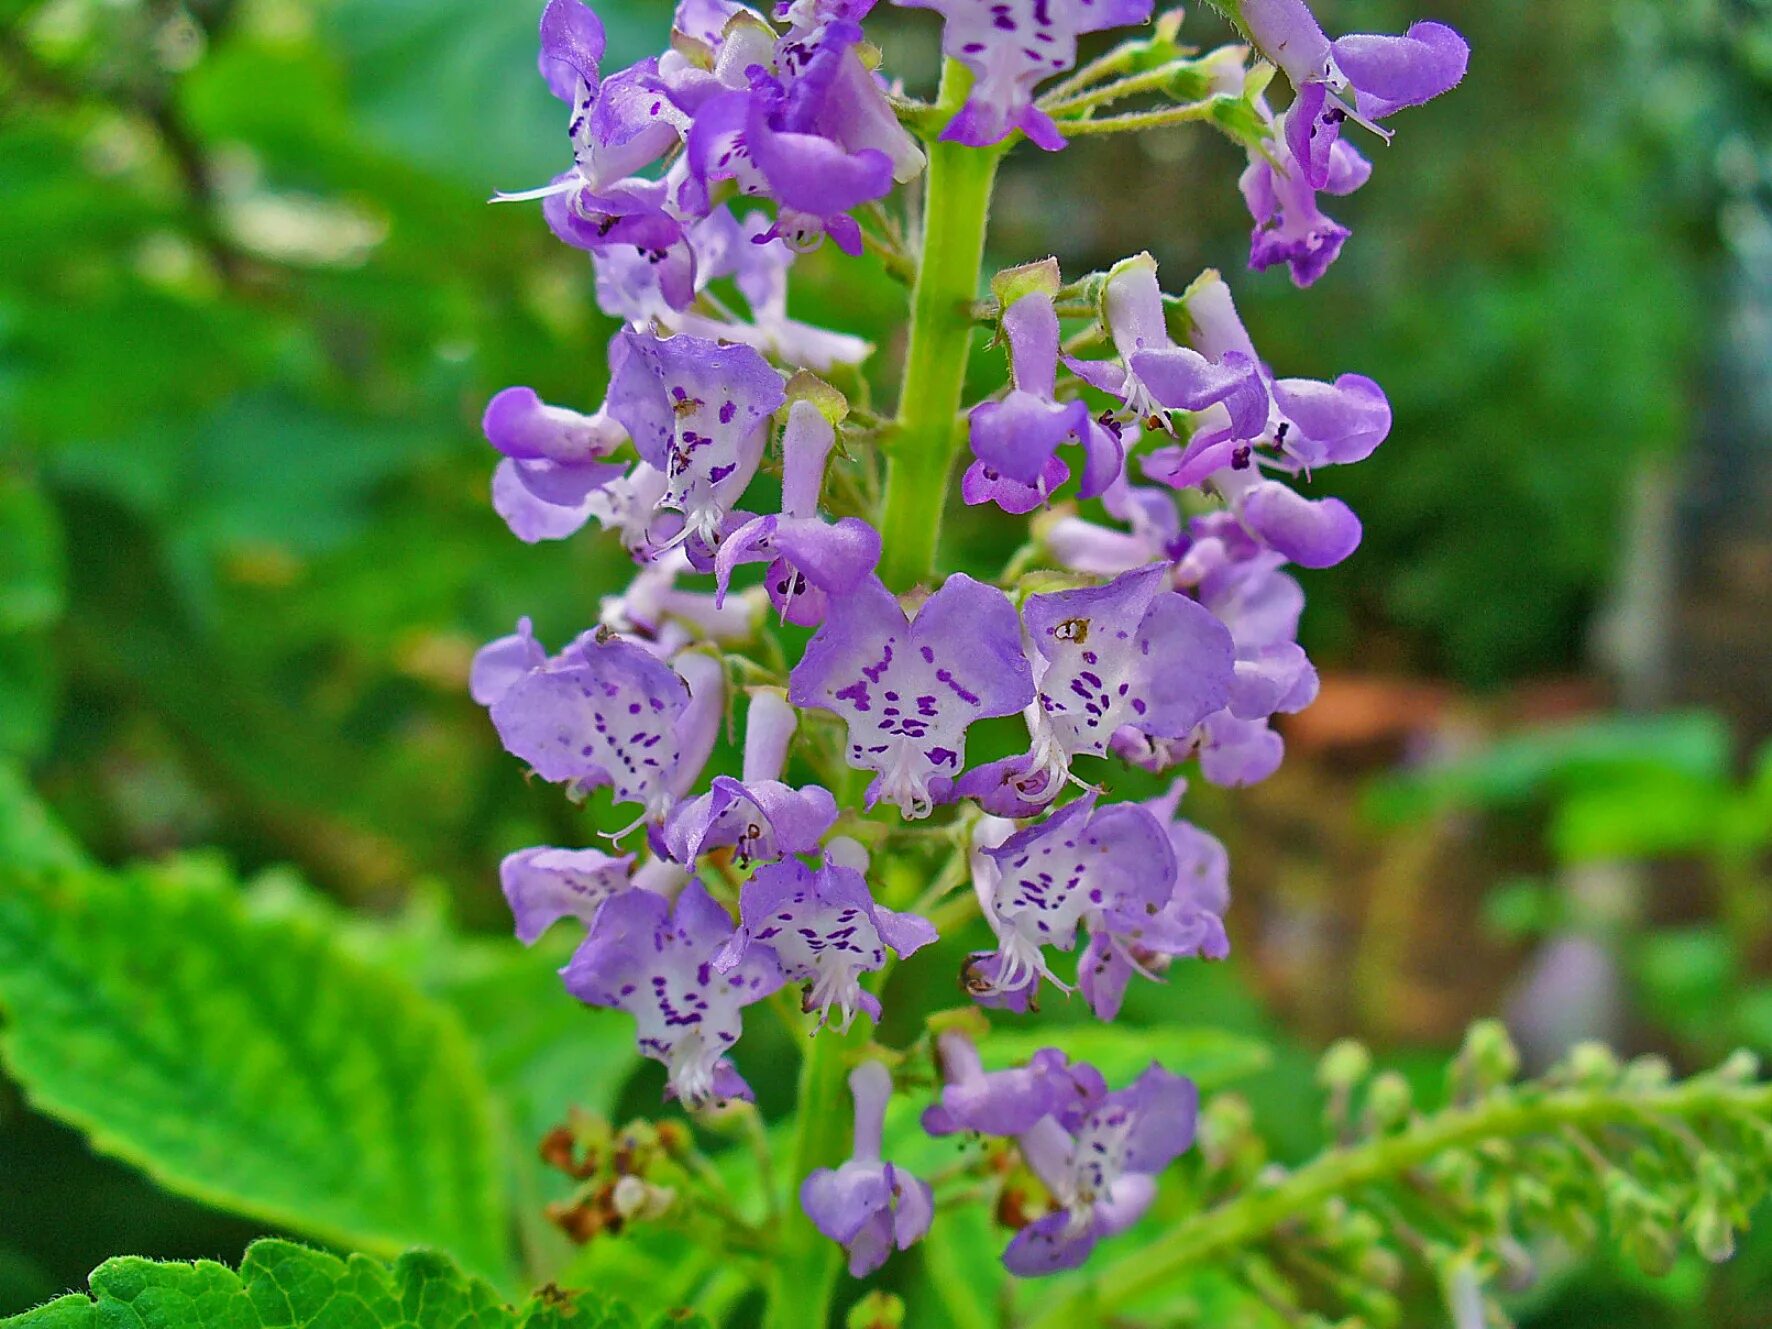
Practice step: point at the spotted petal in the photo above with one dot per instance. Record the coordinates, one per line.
(605, 713)
(698, 412)
(1128, 653)
(826, 930)
(1080, 863)
(656, 963)
(544, 885)
(909, 690)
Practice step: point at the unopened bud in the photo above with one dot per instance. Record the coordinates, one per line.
(1593, 1065)
(1344, 1065)
(1390, 1101)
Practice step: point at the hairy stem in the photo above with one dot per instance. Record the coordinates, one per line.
(927, 433)
(1257, 1213)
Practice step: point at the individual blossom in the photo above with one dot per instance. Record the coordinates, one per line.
(825, 929)
(699, 413)
(1245, 586)
(758, 817)
(1016, 439)
(1190, 922)
(868, 1206)
(1096, 1152)
(809, 559)
(1131, 654)
(909, 689)
(554, 461)
(1363, 77)
(1290, 227)
(656, 962)
(1110, 868)
(606, 711)
(1013, 46)
(545, 885)
(1252, 424)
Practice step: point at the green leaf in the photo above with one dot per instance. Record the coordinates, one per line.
(29, 836)
(1211, 1057)
(1516, 770)
(251, 1064)
(281, 1285)
(31, 574)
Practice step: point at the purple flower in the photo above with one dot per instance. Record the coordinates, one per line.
(1016, 440)
(699, 413)
(908, 690)
(824, 927)
(809, 559)
(553, 463)
(500, 663)
(1011, 47)
(1131, 653)
(758, 817)
(866, 1205)
(1100, 1164)
(608, 712)
(1096, 1152)
(545, 885)
(656, 962)
(1290, 228)
(1380, 74)
(1251, 421)
(1110, 867)
(1007, 1102)
(1190, 923)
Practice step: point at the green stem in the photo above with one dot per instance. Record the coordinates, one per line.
(804, 1271)
(927, 435)
(1257, 1213)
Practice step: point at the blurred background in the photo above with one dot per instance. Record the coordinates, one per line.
(252, 301)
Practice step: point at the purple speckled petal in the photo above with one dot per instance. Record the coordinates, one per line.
(604, 714)
(1081, 862)
(698, 412)
(544, 885)
(1012, 46)
(655, 962)
(825, 930)
(1128, 653)
(908, 690)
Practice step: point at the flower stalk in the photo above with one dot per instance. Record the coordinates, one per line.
(929, 428)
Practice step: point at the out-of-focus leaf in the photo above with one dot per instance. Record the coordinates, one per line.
(249, 1064)
(31, 838)
(32, 591)
(1687, 978)
(1692, 744)
(1648, 815)
(284, 1286)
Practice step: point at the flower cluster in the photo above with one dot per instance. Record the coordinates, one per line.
(1150, 622)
